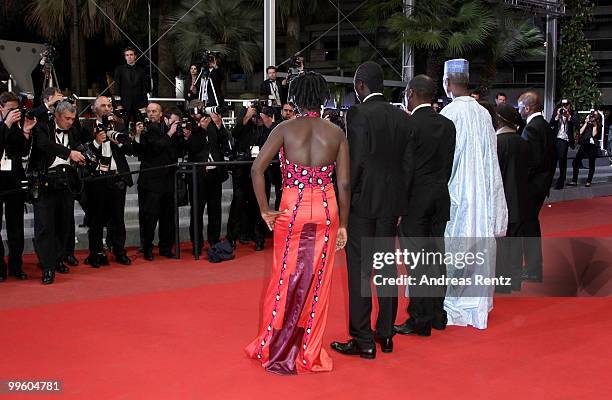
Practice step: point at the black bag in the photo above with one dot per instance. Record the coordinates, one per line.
(222, 251)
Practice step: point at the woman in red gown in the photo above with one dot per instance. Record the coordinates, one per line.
(307, 232)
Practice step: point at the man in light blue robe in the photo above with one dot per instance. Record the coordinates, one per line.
(478, 211)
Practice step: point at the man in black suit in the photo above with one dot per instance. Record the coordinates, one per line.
(381, 149)
(542, 162)
(211, 92)
(131, 84)
(273, 88)
(563, 123)
(157, 146)
(513, 156)
(428, 207)
(208, 142)
(52, 152)
(16, 141)
(106, 197)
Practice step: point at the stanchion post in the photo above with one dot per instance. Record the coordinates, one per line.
(194, 214)
(177, 228)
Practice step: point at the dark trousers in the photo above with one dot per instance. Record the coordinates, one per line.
(562, 146)
(157, 207)
(107, 208)
(237, 207)
(69, 250)
(532, 235)
(360, 279)
(427, 304)
(589, 151)
(274, 179)
(13, 205)
(209, 196)
(53, 214)
(509, 255)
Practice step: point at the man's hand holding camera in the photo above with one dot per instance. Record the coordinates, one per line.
(77, 157)
(250, 113)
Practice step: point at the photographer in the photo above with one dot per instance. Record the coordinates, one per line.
(273, 88)
(131, 84)
(252, 129)
(44, 112)
(54, 187)
(207, 142)
(15, 130)
(157, 145)
(562, 124)
(212, 77)
(106, 197)
(587, 139)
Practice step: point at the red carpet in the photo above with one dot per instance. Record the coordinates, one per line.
(175, 329)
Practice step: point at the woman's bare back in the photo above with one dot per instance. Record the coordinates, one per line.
(311, 141)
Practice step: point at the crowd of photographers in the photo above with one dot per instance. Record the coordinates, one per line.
(51, 159)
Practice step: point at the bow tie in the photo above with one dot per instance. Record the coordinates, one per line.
(58, 130)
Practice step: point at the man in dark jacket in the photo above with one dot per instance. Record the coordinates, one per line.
(157, 146)
(542, 162)
(106, 197)
(131, 84)
(380, 139)
(513, 156)
(428, 207)
(563, 124)
(16, 140)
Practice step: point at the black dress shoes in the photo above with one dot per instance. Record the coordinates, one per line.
(409, 329)
(259, 246)
(123, 259)
(92, 261)
(103, 259)
(61, 269)
(19, 274)
(531, 277)
(71, 260)
(351, 348)
(148, 255)
(386, 344)
(166, 253)
(48, 277)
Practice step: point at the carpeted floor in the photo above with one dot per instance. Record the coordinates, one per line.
(176, 329)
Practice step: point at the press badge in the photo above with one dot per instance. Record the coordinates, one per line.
(254, 151)
(6, 164)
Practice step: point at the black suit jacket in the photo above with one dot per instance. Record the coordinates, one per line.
(16, 146)
(381, 147)
(156, 149)
(45, 148)
(434, 150)
(131, 85)
(265, 90)
(542, 156)
(513, 156)
(119, 152)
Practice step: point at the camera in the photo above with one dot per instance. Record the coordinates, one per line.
(296, 65)
(91, 160)
(48, 55)
(184, 124)
(207, 57)
(25, 113)
(261, 107)
(106, 126)
(219, 110)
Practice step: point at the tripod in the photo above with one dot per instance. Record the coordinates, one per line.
(204, 96)
(50, 78)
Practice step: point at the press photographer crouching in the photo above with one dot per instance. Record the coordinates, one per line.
(252, 129)
(157, 144)
(207, 141)
(15, 133)
(54, 182)
(106, 197)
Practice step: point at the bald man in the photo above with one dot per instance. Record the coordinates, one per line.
(542, 162)
(106, 197)
(157, 145)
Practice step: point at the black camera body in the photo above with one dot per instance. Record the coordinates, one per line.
(111, 133)
(25, 113)
(91, 160)
(262, 107)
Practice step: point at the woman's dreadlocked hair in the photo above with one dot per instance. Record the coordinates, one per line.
(308, 91)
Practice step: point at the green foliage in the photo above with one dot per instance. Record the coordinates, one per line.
(231, 27)
(578, 69)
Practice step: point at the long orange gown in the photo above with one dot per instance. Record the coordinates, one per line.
(296, 302)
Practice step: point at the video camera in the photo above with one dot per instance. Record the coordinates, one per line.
(48, 55)
(207, 57)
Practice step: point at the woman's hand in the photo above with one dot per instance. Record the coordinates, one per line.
(270, 217)
(341, 239)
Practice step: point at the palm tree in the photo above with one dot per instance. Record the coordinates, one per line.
(231, 27)
(81, 19)
(514, 38)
